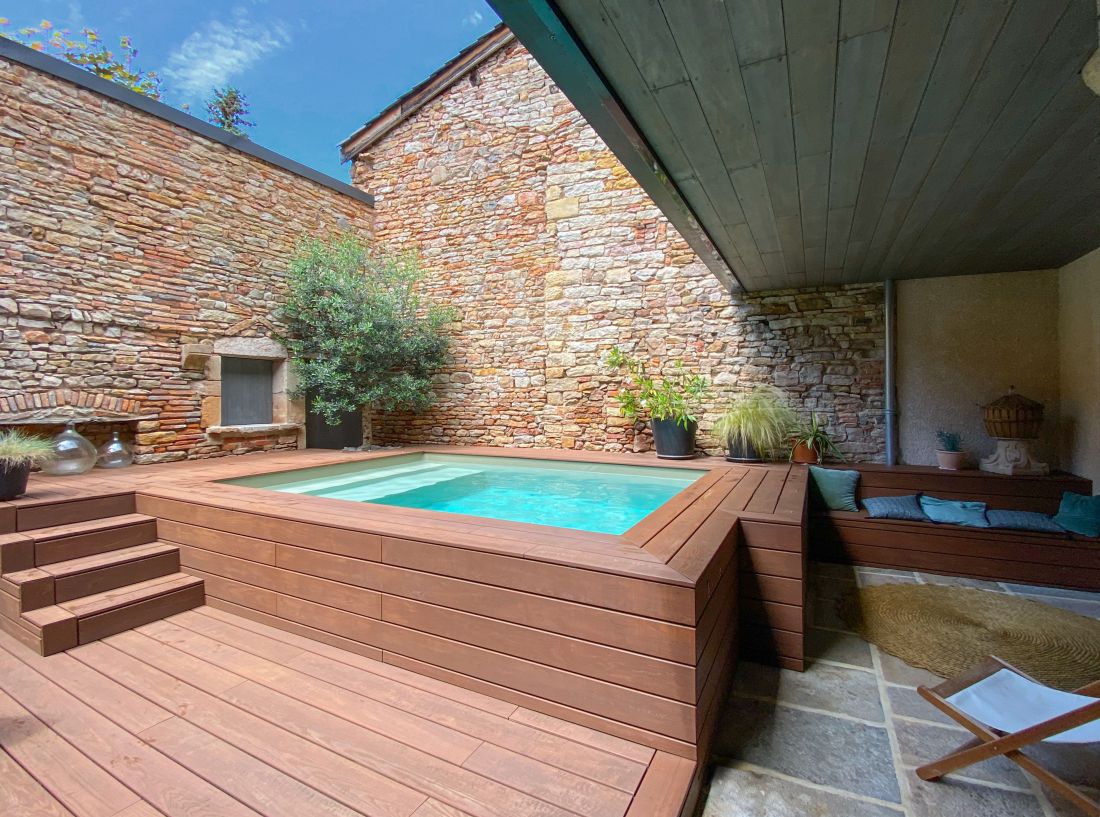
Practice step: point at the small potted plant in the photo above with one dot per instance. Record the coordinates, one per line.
(811, 442)
(18, 453)
(669, 403)
(756, 423)
(950, 453)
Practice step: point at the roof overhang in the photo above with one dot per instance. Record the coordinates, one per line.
(822, 143)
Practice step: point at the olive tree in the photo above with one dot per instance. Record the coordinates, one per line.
(358, 333)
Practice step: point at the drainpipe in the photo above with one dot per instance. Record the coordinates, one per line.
(889, 385)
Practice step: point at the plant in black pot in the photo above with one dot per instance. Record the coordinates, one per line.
(668, 402)
(19, 452)
(756, 423)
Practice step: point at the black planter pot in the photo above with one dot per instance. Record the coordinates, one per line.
(13, 481)
(741, 451)
(672, 440)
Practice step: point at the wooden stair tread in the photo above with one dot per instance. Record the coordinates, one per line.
(130, 594)
(92, 525)
(97, 561)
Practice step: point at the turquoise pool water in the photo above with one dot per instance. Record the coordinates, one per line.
(585, 496)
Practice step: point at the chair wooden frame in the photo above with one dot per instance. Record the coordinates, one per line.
(989, 743)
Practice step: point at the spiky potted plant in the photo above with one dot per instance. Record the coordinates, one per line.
(811, 443)
(950, 454)
(19, 452)
(668, 402)
(756, 423)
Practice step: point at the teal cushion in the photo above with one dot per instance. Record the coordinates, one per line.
(1079, 514)
(1023, 520)
(834, 488)
(954, 512)
(895, 507)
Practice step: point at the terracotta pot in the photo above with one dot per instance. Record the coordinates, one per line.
(805, 454)
(951, 460)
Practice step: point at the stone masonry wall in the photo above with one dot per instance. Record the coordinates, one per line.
(125, 239)
(531, 227)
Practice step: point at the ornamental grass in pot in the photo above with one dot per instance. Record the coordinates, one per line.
(756, 423)
(19, 452)
(811, 443)
(668, 402)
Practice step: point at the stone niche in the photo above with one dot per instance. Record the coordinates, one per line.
(287, 415)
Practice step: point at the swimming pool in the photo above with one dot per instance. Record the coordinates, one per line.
(596, 497)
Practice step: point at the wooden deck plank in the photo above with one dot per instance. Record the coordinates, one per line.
(78, 783)
(22, 795)
(328, 678)
(254, 783)
(323, 770)
(161, 782)
(376, 666)
(664, 787)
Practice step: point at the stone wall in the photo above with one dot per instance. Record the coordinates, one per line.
(531, 227)
(127, 240)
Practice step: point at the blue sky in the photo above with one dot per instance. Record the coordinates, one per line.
(312, 71)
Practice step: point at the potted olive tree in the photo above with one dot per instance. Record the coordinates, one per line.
(19, 452)
(756, 423)
(811, 442)
(360, 335)
(668, 402)
(950, 454)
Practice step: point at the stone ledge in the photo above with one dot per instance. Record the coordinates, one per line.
(259, 430)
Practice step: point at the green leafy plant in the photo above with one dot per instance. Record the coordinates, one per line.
(227, 108)
(359, 335)
(675, 395)
(760, 418)
(19, 450)
(87, 50)
(814, 436)
(949, 440)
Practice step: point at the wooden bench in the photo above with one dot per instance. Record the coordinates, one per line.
(985, 553)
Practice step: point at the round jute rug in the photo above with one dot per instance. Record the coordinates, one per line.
(947, 630)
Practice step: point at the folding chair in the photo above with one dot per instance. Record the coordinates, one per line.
(1007, 710)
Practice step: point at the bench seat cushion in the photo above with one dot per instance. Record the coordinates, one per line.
(1023, 520)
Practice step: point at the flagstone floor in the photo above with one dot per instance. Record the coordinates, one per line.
(842, 739)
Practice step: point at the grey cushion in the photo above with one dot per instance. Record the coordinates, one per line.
(1023, 520)
(895, 507)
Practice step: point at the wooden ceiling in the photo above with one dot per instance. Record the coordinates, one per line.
(834, 141)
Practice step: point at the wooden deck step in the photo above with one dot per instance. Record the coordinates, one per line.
(62, 626)
(63, 543)
(100, 572)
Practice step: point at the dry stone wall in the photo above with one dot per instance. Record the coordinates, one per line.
(126, 239)
(531, 227)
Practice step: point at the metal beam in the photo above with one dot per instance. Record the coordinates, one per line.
(545, 34)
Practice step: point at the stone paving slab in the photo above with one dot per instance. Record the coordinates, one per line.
(822, 686)
(823, 749)
(777, 759)
(750, 794)
(844, 648)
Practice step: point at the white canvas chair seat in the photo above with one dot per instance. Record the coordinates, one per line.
(1009, 702)
(1007, 711)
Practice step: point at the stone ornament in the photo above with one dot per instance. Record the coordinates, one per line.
(1013, 421)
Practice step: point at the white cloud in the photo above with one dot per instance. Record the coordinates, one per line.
(220, 51)
(473, 18)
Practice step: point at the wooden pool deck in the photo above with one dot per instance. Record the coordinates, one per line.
(614, 641)
(208, 713)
